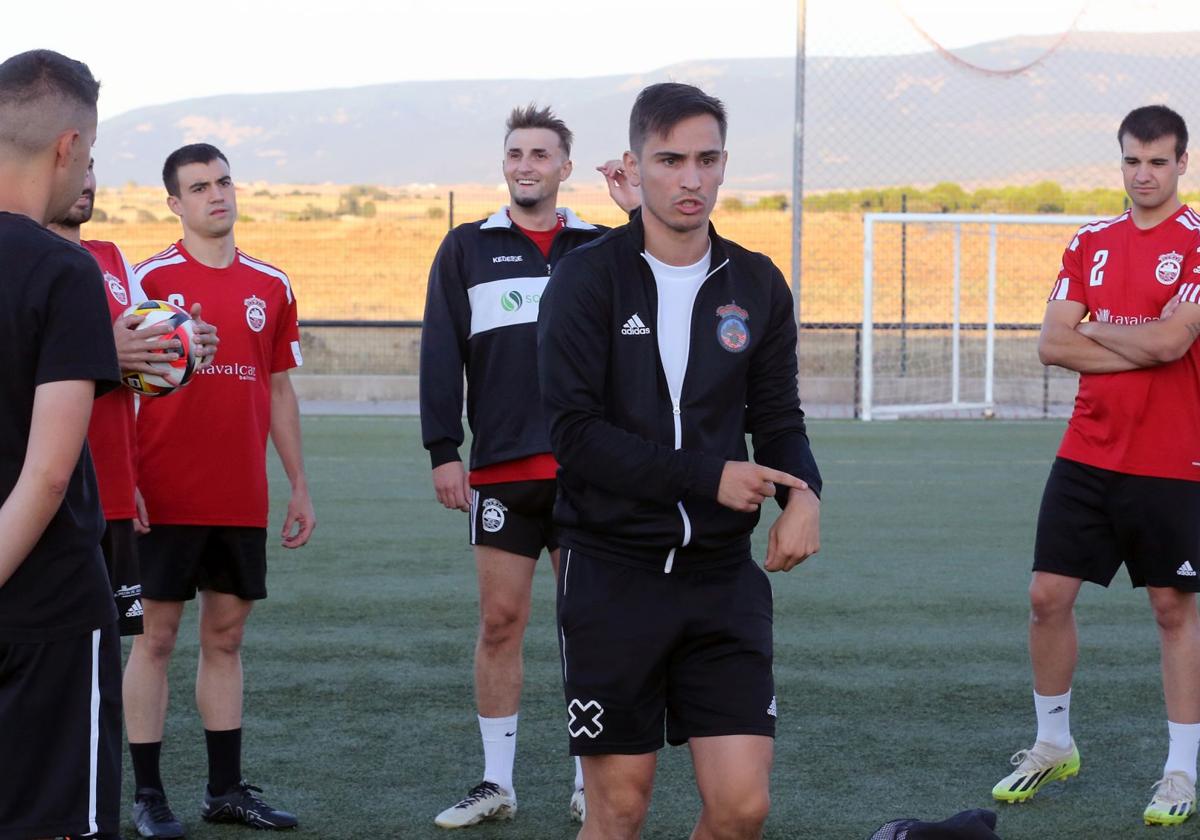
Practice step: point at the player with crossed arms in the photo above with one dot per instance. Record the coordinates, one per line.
(1125, 487)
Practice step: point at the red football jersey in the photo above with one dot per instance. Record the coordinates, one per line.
(1146, 421)
(202, 451)
(110, 432)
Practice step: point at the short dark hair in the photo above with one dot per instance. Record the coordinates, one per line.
(533, 117)
(31, 75)
(1153, 122)
(192, 153)
(659, 108)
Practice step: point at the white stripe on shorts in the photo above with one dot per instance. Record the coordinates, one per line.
(94, 751)
(474, 507)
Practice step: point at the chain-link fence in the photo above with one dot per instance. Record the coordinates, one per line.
(1021, 124)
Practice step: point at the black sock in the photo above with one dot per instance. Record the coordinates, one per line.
(145, 765)
(224, 759)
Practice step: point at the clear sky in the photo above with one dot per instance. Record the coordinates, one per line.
(148, 52)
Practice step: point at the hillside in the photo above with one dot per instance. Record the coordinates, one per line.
(872, 121)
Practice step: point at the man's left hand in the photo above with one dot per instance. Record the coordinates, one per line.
(206, 338)
(301, 519)
(625, 195)
(796, 534)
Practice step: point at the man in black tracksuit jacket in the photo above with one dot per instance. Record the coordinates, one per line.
(660, 345)
(481, 314)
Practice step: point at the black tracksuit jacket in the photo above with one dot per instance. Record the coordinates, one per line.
(639, 474)
(481, 313)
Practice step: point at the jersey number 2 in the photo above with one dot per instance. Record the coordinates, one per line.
(1098, 261)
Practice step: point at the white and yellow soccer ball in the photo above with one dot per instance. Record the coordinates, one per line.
(168, 376)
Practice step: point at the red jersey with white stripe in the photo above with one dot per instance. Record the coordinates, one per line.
(1146, 421)
(110, 431)
(202, 451)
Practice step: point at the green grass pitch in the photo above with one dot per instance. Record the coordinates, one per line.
(901, 663)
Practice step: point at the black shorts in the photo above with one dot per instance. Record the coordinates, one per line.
(639, 646)
(1093, 520)
(60, 736)
(176, 560)
(514, 516)
(119, 545)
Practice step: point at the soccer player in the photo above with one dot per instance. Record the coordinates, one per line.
(1125, 487)
(481, 314)
(60, 656)
(202, 468)
(110, 431)
(659, 347)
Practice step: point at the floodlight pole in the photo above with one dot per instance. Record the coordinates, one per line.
(798, 162)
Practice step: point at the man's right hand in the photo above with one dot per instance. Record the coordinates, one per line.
(138, 347)
(451, 485)
(744, 486)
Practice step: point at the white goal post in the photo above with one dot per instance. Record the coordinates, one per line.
(936, 347)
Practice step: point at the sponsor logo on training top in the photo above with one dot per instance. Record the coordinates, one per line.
(508, 258)
(634, 326)
(246, 373)
(1105, 316)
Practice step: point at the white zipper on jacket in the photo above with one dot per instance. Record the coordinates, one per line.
(676, 411)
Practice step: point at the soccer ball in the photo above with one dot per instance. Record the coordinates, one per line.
(168, 376)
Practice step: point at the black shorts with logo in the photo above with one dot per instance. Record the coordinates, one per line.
(514, 516)
(1092, 520)
(119, 545)
(60, 736)
(176, 560)
(639, 646)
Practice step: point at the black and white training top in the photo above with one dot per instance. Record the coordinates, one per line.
(481, 313)
(639, 466)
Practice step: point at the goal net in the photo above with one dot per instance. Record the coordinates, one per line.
(952, 306)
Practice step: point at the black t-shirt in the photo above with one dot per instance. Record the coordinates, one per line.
(54, 326)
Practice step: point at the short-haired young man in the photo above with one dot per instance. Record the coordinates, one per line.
(111, 429)
(60, 658)
(481, 314)
(208, 515)
(659, 347)
(1125, 487)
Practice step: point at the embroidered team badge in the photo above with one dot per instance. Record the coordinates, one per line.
(492, 515)
(256, 313)
(116, 289)
(1169, 266)
(732, 333)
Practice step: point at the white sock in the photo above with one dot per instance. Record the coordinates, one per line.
(499, 750)
(1053, 719)
(1181, 756)
(578, 774)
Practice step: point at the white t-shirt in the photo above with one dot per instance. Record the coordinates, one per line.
(677, 289)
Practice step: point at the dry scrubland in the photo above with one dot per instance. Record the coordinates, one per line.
(374, 267)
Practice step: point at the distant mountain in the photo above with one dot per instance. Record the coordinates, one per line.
(874, 121)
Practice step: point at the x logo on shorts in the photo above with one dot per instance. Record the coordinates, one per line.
(585, 719)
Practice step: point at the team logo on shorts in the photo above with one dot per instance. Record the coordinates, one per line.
(256, 312)
(492, 515)
(585, 719)
(732, 333)
(116, 289)
(1169, 266)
